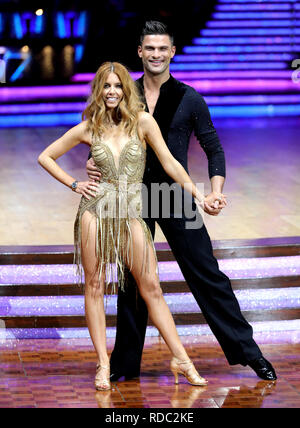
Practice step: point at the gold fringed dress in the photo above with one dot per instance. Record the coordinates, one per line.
(118, 201)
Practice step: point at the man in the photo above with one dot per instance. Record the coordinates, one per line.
(180, 110)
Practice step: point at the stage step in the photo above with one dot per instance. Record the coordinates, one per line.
(181, 319)
(39, 297)
(68, 311)
(279, 331)
(167, 286)
(223, 249)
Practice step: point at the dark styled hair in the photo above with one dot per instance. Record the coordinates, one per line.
(153, 28)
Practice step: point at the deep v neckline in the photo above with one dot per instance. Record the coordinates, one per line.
(117, 167)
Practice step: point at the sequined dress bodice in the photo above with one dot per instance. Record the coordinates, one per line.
(131, 162)
(117, 202)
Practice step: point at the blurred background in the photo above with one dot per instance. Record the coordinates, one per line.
(59, 38)
(241, 55)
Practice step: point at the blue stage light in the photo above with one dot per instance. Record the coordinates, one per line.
(71, 119)
(61, 27)
(255, 15)
(227, 57)
(17, 121)
(256, 1)
(20, 70)
(254, 111)
(241, 49)
(79, 49)
(63, 22)
(272, 40)
(250, 31)
(81, 24)
(39, 21)
(290, 23)
(229, 66)
(251, 6)
(17, 26)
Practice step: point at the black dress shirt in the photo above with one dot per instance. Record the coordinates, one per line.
(179, 112)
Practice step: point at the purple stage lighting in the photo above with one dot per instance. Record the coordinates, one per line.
(289, 23)
(242, 56)
(198, 75)
(248, 40)
(250, 31)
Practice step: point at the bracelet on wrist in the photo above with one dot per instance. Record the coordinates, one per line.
(74, 185)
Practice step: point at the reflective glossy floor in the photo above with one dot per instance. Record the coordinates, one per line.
(262, 184)
(60, 374)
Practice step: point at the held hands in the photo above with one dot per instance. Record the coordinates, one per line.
(212, 203)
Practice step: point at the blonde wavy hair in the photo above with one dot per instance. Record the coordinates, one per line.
(127, 111)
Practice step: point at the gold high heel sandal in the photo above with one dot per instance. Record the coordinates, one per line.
(187, 369)
(102, 383)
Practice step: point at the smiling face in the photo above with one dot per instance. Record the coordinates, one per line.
(112, 91)
(156, 53)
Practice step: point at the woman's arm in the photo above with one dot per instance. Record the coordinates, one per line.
(70, 139)
(173, 168)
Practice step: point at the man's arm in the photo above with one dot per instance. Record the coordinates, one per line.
(208, 138)
(210, 143)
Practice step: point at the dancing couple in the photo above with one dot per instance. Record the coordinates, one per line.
(139, 132)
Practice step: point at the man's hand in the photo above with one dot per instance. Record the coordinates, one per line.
(92, 170)
(214, 203)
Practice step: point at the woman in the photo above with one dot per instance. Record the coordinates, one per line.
(109, 231)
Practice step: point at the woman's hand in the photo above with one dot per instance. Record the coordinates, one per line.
(87, 188)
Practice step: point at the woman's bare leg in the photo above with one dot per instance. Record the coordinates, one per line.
(94, 289)
(149, 287)
(150, 290)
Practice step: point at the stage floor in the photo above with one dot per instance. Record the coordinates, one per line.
(262, 185)
(60, 374)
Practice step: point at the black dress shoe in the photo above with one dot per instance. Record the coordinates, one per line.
(115, 376)
(263, 369)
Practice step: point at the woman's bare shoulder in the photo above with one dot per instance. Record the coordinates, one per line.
(144, 116)
(145, 119)
(83, 133)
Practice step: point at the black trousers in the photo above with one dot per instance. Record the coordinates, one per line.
(211, 288)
